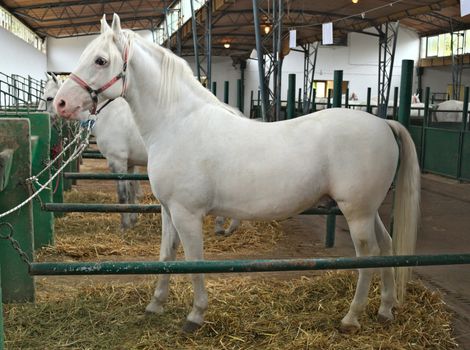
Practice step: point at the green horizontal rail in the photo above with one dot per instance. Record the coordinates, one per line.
(144, 208)
(223, 266)
(105, 176)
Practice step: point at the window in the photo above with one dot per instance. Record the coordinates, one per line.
(443, 45)
(13, 25)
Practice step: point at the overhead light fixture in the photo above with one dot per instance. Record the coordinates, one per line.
(267, 29)
(355, 1)
(227, 45)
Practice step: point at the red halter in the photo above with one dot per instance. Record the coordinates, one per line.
(94, 92)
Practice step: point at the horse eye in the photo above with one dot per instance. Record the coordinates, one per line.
(49, 99)
(100, 61)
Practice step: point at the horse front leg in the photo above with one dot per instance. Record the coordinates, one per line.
(188, 224)
(168, 249)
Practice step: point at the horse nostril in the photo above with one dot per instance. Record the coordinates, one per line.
(61, 104)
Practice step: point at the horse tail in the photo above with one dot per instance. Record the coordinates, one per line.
(406, 206)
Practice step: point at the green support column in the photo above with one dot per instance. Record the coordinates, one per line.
(214, 88)
(56, 147)
(226, 91)
(299, 103)
(291, 97)
(328, 103)
(17, 284)
(346, 99)
(406, 84)
(337, 88)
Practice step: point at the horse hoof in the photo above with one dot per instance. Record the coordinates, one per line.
(153, 309)
(220, 232)
(228, 233)
(190, 327)
(349, 329)
(385, 319)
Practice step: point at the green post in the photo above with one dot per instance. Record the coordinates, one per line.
(406, 84)
(368, 106)
(330, 231)
(43, 221)
(56, 147)
(251, 104)
(465, 109)
(395, 103)
(17, 284)
(328, 103)
(226, 87)
(240, 95)
(337, 88)
(291, 97)
(214, 88)
(346, 99)
(314, 104)
(2, 335)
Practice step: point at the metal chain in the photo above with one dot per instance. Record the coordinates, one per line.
(14, 243)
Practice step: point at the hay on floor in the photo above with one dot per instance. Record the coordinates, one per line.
(96, 236)
(244, 313)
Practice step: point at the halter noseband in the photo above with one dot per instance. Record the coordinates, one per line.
(95, 92)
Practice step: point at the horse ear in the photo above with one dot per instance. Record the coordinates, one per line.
(104, 24)
(116, 26)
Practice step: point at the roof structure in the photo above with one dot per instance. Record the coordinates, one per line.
(232, 20)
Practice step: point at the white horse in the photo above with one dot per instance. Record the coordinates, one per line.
(50, 90)
(449, 111)
(199, 163)
(118, 139)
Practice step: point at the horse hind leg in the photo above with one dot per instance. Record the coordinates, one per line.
(365, 243)
(388, 292)
(123, 192)
(234, 224)
(133, 195)
(168, 249)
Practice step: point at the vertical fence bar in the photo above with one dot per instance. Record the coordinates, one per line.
(427, 94)
(226, 87)
(291, 97)
(239, 95)
(330, 231)
(368, 106)
(314, 103)
(328, 103)
(395, 103)
(346, 99)
(462, 132)
(405, 92)
(299, 103)
(251, 103)
(214, 88)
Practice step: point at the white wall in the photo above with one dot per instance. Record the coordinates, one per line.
(18, 57)
(63, 54)
(358, 60)
(438, 78)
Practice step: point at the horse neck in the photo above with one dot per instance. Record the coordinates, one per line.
(153, 113)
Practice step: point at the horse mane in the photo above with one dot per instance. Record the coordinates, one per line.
(175, 68)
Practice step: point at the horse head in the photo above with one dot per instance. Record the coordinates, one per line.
(100, 74)
(50, 90)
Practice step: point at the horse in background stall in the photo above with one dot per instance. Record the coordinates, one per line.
(449, 111)
(199, 164)
(119, 141)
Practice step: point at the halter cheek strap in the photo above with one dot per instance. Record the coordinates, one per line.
(95, 92)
